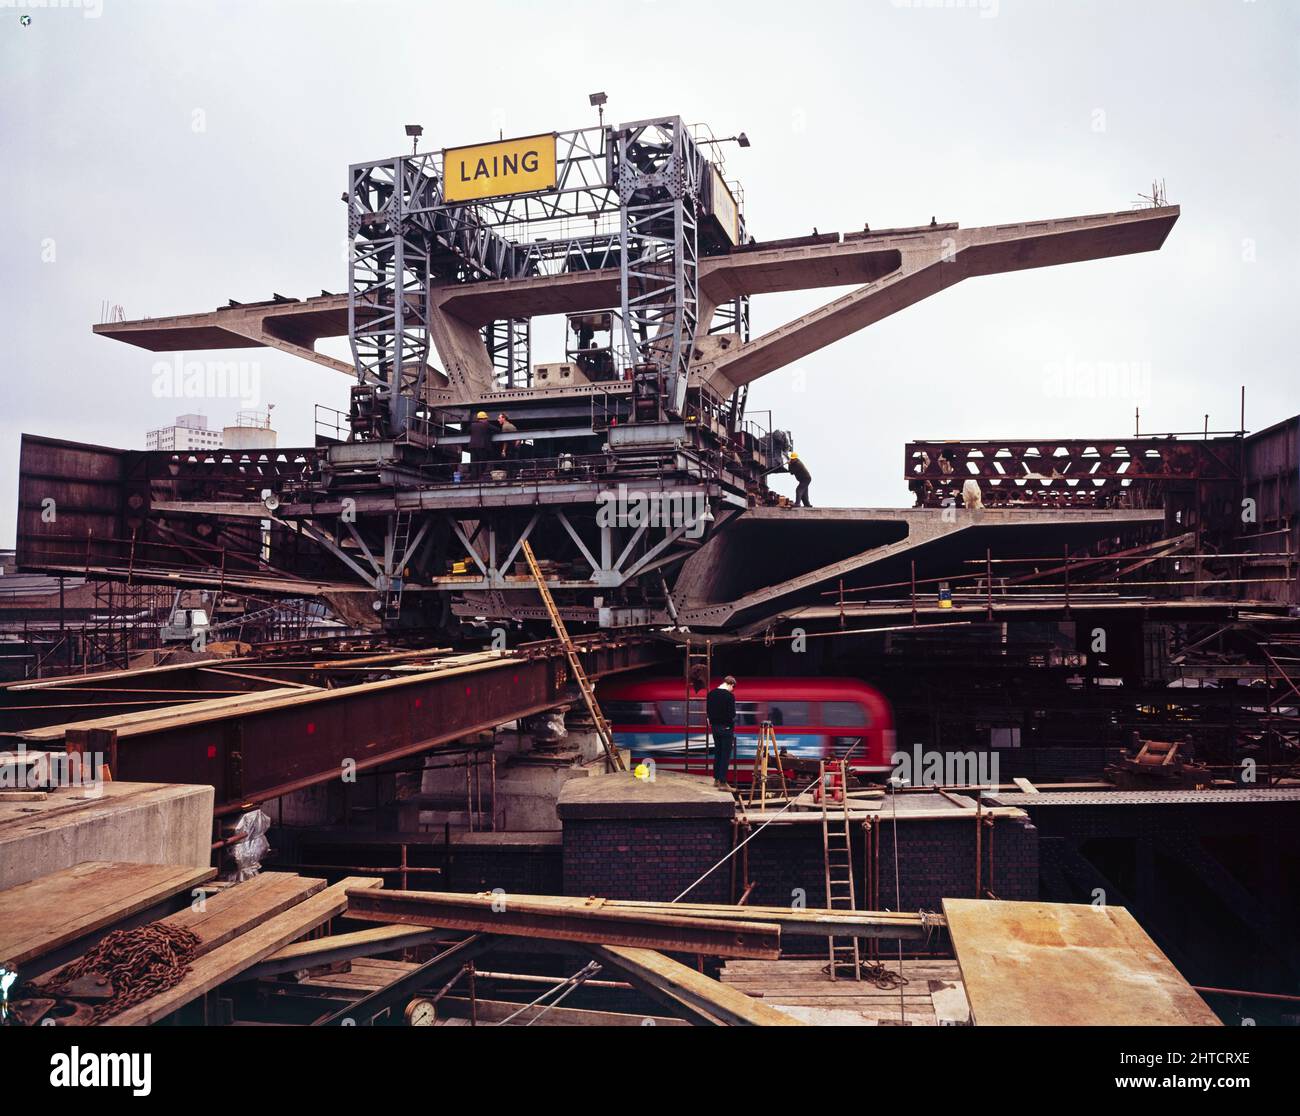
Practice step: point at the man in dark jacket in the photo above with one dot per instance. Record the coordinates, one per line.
(720, 708)
(803, 479)
(480, 441)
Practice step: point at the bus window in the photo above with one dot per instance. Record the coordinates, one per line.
(790, 713)
(672, 712)
(630, 712)
(844, 714)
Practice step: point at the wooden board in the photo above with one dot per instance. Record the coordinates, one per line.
(728, 1005)
(53, 911)
(228, 961)
(237, 908)
(356, 945)
(803, 988)
(366, 975)
(1064, 964)
(173, 713)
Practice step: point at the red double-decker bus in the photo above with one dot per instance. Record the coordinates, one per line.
(812, 719)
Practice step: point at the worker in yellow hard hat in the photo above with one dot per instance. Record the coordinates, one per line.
(803, 478)
(480, 439)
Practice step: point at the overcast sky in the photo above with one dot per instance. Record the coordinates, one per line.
(168, 156)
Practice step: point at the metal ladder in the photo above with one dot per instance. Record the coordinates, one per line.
(699, 662)
(613, 760)
(397, 577)
(768, 774)
(837, 851)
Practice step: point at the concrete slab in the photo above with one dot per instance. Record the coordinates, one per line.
(137, 823)
(622, 795)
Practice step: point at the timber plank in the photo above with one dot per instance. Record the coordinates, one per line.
(235, 909)
(49, 912)
(694, 988)
(229, 960)
(169, 715)
(241, 907)
(379, 937)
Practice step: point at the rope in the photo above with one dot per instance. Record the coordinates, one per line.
(793, 799)
(877, 974)
(746, 841)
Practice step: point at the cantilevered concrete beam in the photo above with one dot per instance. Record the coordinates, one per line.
(292, 326)
(912, 266)
(896, 268)
(745, 574)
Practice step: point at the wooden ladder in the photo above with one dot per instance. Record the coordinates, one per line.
(397, 578)
(767, 774)
(613, 759)
(699, 667)
(837, 851)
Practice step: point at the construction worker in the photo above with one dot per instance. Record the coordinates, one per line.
(720, 708)
(506, 427)
(803, 479)
(480, 440)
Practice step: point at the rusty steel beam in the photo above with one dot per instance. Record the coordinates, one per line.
(574, 921)
(283, 743)
(811, 921)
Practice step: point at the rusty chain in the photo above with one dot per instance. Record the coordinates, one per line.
(139, 963)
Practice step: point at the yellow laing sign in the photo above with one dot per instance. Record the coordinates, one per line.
(491, 170)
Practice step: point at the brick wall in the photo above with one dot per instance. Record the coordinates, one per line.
(936, 860)
(520, 870)
(646, 858)
(656, 858)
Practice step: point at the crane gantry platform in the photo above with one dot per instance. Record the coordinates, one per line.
(624, 465)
